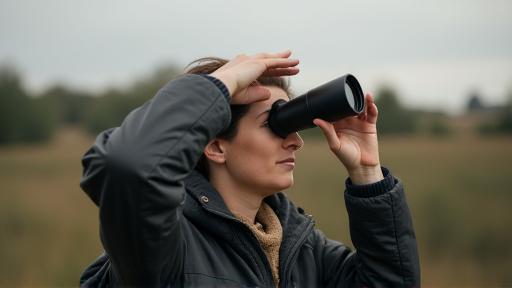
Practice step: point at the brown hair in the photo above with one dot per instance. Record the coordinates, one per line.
(207, 66)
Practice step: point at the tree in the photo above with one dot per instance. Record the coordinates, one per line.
(474, 102)
(22, 118)
(505, 118)
(69, 106)
(13, 100)
(393, 118)
(110, 108)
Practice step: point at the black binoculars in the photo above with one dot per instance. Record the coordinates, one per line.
(339, 98)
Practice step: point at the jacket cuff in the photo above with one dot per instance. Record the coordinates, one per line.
(219, 85)
(373, 189)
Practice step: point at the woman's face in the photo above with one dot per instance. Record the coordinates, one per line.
(256, 157)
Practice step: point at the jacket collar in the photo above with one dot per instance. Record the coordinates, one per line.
(201, 190)
(202, 200)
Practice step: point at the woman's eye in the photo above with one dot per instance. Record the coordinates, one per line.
(265, 124)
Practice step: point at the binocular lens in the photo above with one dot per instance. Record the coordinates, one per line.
(339, 98)
(350, 96)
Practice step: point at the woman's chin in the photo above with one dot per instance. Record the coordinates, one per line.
(284, 182)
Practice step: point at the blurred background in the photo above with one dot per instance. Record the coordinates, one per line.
(441, 72)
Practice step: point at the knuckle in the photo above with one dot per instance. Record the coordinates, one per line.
(262, 55)
(241, 56)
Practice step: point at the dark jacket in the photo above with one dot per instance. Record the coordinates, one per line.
(163, 224)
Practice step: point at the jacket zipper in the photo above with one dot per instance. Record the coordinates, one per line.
(263, 257)
(266, 264)
(293, 253)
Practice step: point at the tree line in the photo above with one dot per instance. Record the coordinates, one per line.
(29, 118)
(25, 117)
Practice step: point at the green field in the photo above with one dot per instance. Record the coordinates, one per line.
(457, 188)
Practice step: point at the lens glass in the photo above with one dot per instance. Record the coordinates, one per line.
(350, 96)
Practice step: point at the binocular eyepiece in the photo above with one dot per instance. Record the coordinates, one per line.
(334, 100)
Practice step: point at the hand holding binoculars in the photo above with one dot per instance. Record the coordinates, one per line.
(334, 100)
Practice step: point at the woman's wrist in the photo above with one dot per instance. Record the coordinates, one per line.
(230, 85)
(366, 175)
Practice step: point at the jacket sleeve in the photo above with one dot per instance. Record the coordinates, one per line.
(381, 229)
(135, 173)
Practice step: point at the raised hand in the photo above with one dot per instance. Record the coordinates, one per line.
(240, 74)
(354, 141)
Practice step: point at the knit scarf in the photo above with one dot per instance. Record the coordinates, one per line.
(269, 233)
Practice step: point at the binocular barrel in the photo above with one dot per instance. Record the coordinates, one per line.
(334, 100)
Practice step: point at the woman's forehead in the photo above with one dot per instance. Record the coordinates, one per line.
(262, 106)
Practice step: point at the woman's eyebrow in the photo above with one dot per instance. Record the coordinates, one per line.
(266, 111)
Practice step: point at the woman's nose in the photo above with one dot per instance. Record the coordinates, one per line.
(293, 141)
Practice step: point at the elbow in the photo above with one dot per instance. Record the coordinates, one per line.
(103, 170)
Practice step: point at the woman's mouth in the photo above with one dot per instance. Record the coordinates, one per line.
(290, 162)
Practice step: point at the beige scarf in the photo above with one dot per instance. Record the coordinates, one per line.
(269, 233)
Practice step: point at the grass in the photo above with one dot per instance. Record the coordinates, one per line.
(457, 188)
(459, 194)
(51, 227)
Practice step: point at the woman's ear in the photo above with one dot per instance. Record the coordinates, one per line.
(214, 151)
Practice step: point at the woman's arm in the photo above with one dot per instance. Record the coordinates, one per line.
(380, 222)
(381, 229)
(135, 172)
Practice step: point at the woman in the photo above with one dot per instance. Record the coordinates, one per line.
(188, 191)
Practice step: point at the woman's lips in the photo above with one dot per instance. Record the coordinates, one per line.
(288, 162)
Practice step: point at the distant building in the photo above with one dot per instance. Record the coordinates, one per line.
(475, 105)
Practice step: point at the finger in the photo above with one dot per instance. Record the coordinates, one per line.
(364, 115)
(251, 94)
(281, 72)
(283, 54)
(280, 62)
(329, 133)
(373, 112)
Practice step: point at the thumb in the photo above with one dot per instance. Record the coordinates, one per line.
(329, 133)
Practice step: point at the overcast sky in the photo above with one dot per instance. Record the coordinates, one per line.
(433, 52)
